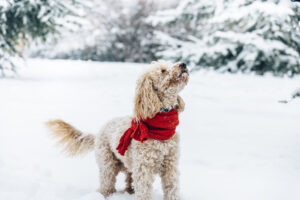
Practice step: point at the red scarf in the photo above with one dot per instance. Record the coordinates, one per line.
(160, 127)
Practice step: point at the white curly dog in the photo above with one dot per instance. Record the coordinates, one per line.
(157, 91)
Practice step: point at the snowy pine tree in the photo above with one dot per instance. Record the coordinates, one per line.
(124, 34)
(247, 35)
(129, 37)
(22, 21)
(115, 31)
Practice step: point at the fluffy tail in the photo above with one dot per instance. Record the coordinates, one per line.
(74, 142)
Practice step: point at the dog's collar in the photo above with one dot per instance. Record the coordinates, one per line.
(166, 109)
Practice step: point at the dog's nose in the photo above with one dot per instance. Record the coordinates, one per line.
(182, 65)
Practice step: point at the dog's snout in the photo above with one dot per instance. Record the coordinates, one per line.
(182, 65)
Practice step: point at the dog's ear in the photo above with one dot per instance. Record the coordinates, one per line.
(180, 104)
(147, 102)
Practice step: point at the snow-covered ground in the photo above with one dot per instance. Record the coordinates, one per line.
(237, 141)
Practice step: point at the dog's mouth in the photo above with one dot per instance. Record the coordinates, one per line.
(183, 76)
(184, 72)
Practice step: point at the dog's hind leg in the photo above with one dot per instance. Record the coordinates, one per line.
(109, 168)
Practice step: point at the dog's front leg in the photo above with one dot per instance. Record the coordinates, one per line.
(142, 181)
(169, 177)
(143, 177)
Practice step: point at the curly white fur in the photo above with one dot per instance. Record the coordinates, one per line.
(157, 88)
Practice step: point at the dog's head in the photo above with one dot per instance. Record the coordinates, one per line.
(158, 88)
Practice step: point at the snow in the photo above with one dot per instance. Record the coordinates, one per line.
(237, 141)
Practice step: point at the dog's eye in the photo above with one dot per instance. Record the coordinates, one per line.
(163, 71)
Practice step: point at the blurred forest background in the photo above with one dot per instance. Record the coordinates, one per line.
(249, 36)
